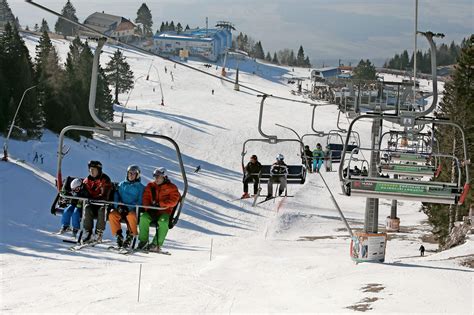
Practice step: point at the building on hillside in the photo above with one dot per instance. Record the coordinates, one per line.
(325, 73)
(6, 15)
(208, 44)
(111, 25)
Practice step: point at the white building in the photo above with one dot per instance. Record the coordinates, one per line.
(208, 44)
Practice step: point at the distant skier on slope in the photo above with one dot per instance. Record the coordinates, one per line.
(278, 171)
(422, 250)
(161, 192)
(99, 186)
(252, 170)
(129, 191)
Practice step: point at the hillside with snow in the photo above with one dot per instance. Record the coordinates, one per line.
(227, 256)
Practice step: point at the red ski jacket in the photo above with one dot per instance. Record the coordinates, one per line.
(98, 187)
(166, 196)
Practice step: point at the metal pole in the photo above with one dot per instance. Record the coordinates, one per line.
(414, 54)
(5, 145)
(372, 204)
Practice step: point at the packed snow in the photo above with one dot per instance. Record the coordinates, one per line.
(227, 256)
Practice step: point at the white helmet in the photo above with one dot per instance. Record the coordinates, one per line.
(159, 171)
(280, 157)
(76, 183)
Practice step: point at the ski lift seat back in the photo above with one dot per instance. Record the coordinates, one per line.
(296, 174)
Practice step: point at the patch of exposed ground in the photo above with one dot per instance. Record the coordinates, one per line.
(365, 304)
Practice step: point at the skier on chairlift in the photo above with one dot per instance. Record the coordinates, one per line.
(129, 191)
(252, 170)
(99, 187)
(279, 172)
(318, 158)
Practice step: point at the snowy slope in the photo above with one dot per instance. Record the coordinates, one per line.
(275, 258)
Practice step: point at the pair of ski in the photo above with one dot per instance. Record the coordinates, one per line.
(254, 197)
(130, 251)
(271, 198)
(78, 247)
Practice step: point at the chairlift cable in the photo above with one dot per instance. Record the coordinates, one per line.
(162, 57)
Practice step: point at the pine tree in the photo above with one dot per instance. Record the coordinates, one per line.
(49, 77)
(179, 28)
(300, 57)
(275, 58)
(307, 63)
(64, 27)
(187, 28)
(119, 74)
(145, 18)
(291, 59)
(268, 57)
(171, 26)
(365, 71)
(18, 76)
(44, 26)
(458, 106)
(36, 27)
(6, 15)
(162, 27)
(257, 51)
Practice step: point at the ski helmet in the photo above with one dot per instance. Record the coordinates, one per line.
(254, 157)
(76, 183)
(280, 157)
(159, 171)
(95, 164)
(134, 169)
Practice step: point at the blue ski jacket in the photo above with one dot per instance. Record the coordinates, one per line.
(129, 193)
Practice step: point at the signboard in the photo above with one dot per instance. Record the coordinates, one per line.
(401, 188)
(368, 246)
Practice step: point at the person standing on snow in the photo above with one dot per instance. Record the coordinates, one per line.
(161, 192)
(130, 191)
(278, 173)
(318, 157)
(422, 250)
(252, 173)
(73, 211)
(99, 186)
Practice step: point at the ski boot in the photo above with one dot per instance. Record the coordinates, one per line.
(98, 236)
(154, 248)
(128, 240)
(142, 246)
(119, 239)
(64, 229)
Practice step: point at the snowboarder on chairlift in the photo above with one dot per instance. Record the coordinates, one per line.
(252, 174)
(278, 171)
(318, 157)
(130, 191)
(161, 192)
(98, 186)
(74, 210)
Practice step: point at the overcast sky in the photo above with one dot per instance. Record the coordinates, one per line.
(327, 29)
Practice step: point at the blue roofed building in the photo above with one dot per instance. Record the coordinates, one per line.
(208, 44)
